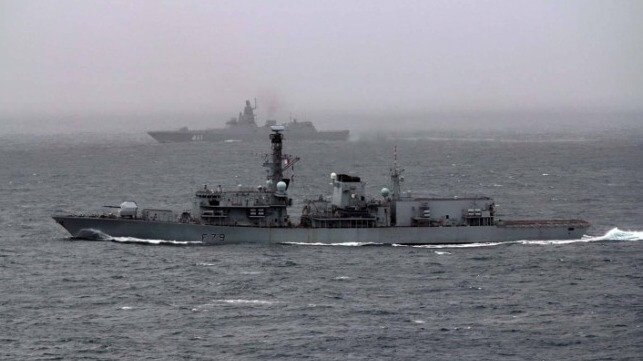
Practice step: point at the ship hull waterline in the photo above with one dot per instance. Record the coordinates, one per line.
(209, 234)
(220, 136)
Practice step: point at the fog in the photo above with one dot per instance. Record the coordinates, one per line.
(114, 66)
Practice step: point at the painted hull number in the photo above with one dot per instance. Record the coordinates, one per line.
(213, 237)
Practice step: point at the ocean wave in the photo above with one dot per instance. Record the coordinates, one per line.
(244, 302)
(616, 234)
(613, 234)
(238, 302)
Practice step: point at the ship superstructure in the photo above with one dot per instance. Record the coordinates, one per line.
(264, 206)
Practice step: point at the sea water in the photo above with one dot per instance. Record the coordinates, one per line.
(127, 298)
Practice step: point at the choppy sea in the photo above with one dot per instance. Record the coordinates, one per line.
(133, 299)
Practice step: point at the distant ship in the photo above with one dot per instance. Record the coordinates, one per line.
(245, 128)
(260, 215)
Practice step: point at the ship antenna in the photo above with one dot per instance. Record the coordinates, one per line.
(396, 175)
(395, 156)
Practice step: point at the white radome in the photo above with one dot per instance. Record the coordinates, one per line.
(281, 186)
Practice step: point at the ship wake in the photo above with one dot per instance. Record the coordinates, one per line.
(96, 235)
(89, 234)
(614, 234)
(339, 244)
(154, 242)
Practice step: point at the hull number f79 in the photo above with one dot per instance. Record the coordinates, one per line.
(214, 237)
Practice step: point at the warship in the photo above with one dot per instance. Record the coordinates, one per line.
(245, 128)
(260, 215)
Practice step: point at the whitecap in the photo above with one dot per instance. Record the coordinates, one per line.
(237, 302)
(244, 302)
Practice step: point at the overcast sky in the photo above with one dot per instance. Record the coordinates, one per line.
(105, 57)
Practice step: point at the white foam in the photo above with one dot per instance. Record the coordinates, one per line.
(613, 234)
(153, 241)
(93, 234)
(442, 252)
(616, 234)
(244, 302)
(344, 244)
(463, 245)
(238, 302)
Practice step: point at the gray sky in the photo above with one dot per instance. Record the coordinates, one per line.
(109, 57)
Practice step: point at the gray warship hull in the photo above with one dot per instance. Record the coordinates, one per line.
(217, 135)
(81, 226)
(245, 128)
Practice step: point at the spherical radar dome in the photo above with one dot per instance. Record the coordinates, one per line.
(281, 186)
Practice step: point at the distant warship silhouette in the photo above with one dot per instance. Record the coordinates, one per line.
(245, 127)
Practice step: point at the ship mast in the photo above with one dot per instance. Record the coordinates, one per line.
(275, 170)
(277, 162)
(396, 176)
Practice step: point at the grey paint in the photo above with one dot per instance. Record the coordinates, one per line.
(260, 215)
(385, 235)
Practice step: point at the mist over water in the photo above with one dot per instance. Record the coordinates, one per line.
(69, 66)
(519, 125)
